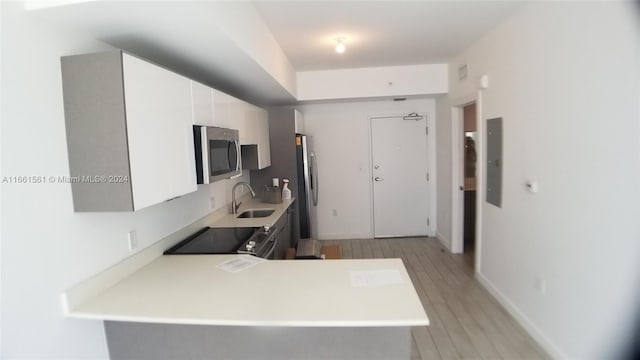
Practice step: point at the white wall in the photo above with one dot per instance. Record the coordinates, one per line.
(341, 136)
(46, 247)
(565, 78)
(426, 79)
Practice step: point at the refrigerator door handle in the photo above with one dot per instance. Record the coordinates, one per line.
(314, 178)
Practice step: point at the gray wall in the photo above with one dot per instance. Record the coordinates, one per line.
(282, 137)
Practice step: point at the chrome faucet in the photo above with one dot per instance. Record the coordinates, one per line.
(234, 205)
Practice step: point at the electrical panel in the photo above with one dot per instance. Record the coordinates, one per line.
(494, 162)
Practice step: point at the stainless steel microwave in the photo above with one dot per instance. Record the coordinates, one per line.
(217, 153)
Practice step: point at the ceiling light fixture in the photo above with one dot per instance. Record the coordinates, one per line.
(340, 48)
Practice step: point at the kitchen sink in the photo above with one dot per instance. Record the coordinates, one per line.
(256, 213)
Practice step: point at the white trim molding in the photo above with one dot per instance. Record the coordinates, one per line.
(444, 241)
(345, 236)
(537, 334)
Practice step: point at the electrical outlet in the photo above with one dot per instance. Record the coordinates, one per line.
(132, 238)
(212, 203)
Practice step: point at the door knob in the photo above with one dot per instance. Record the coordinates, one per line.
(377, 167)
(378, 178)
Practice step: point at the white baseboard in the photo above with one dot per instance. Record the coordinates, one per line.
(522, 319)
(344, 236)
(444, 241)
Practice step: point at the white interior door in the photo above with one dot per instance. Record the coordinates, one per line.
(399, 175)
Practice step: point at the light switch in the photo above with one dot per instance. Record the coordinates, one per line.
(132, 240)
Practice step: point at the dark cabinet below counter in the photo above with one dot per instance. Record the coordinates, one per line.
(285, 233)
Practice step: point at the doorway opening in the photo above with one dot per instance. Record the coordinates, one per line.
(470, 136)
(467, 177)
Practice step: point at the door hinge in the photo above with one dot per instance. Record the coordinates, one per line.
(427, 130)
(428, 222)
(427, 176)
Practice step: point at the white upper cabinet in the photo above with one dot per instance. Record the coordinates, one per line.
(221, 109)
(299, 122)
(129, 132)
(256, 149)
(161, 151)
(264, 146)
(202, 102)
(250, 126)
(236, 118)
(212, 107)
(241, 119)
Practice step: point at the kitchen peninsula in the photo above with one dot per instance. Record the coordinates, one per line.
(186, 306)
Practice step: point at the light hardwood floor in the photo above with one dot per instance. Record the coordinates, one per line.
(466, 321)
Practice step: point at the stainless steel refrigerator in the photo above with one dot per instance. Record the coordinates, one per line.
(307, 192)
(293, 158)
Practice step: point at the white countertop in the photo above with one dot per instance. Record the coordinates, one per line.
(190, 289)
(230, 220)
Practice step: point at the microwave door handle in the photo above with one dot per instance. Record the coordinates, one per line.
(236, 168)
(238, 156)
(205, 155)
(229, 161)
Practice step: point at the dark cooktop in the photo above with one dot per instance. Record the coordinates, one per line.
(212, 241)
